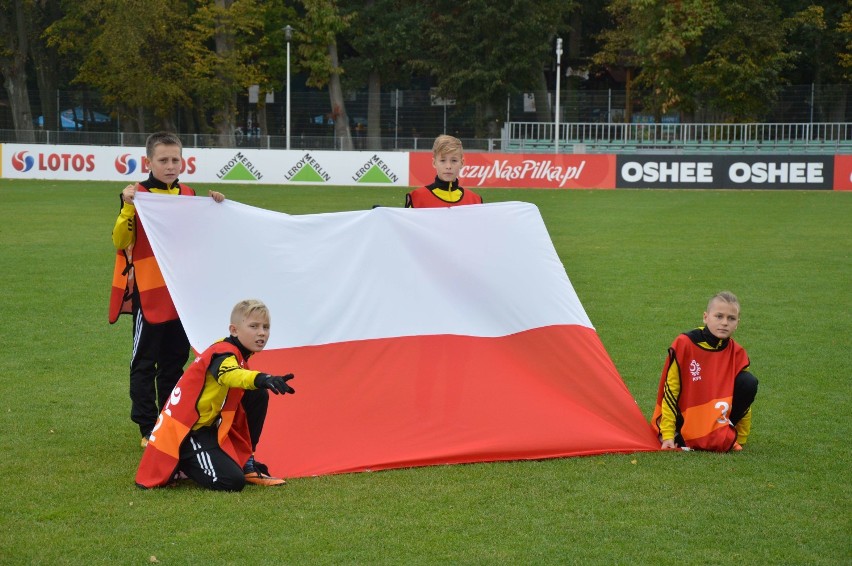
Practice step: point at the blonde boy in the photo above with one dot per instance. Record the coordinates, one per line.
(706, 391)
(448, 159)
(203, 431)
(160, 347)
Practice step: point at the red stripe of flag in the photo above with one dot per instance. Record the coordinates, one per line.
(425, 400)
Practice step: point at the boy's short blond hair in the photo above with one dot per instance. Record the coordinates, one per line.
(245, 309)
(726, 297)
(445, 144)
(161, 138)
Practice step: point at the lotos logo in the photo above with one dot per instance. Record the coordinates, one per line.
(22, 162)
(125, 164)
(66, 162)
(187, 165)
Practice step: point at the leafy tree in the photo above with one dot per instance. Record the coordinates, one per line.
(49, 68)
(191, 56)
(136, 63)
(272, 54)
(845, 56)
(585, 22)
(729, 55)
(194, 57)
(818, 39)
(322, 24)
(222, 48)
(384, 36)
(659, 40)
(479, 51)
(742, 61)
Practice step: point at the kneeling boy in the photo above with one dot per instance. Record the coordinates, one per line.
(706, 391)
(202, 431)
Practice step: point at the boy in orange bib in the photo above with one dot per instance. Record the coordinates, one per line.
(160, 345)
(202, 431)
(448, 159)
(706, 391)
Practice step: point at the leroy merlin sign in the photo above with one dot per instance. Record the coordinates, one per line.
(307, 170)
(239, 168)
(341, 167)
(338, 167)
(207, 165)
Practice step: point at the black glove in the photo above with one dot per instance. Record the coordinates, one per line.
(274, 383)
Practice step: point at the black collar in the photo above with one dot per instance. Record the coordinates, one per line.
(444, 185)
(710, 338)
(243, 350)
(154, 183)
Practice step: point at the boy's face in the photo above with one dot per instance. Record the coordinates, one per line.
(252, 332)
(448, 165)
(165, 163)
(722, 318)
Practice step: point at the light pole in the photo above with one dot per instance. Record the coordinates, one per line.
(558, 77)
(288, 35)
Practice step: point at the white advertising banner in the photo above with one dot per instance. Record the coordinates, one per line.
(214, 165)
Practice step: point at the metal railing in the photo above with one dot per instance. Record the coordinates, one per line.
(594, 137)
(122, 139)
(528, 137)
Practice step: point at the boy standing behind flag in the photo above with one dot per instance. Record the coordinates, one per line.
(448, 159)
(160, 345)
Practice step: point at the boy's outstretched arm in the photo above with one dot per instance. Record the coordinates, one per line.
(275, 383)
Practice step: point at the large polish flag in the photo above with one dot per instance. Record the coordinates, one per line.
(417, 337)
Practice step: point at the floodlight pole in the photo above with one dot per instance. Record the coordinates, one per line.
(558, 77)
(288, 34)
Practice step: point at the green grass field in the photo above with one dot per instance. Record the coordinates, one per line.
(642, 262)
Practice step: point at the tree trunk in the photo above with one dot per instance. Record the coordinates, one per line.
(487, 124)
(628, 97)
(492, 121)
(374, 111)
(169, 124)
(45, 68)
(543, 111)
(140, 120)
(127, 124)
(831, 105)
(224, 119)
(46, 62)
(13, 68)
(572, 84)
(261, 114)
(338, 105)
(19, 101)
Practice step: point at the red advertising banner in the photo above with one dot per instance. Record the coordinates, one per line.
(522, 170)
(843, 173)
